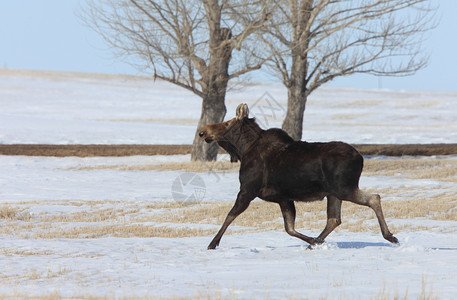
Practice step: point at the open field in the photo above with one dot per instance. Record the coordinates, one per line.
(56, 232)
(133, 219)
(102, 225)
(129, 219)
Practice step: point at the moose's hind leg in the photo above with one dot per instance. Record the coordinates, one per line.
(374, 202)
(333, 216)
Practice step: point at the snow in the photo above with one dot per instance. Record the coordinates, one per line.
(260, 266)
(128, 110)
(87, 109)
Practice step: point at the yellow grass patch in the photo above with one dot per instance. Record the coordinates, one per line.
(21, 252)
(190, 166)
(93, 219)
(181, 121)
(415, 168)
(364, 103)
(13, 213)
(173, 219)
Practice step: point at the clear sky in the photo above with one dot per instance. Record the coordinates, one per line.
(47, 35)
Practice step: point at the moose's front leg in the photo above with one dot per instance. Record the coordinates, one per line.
(241, 204)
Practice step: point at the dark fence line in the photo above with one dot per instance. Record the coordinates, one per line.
(130, 150)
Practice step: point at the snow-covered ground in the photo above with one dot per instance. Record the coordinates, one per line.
(62, 108)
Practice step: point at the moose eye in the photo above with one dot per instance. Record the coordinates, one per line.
(226, 124)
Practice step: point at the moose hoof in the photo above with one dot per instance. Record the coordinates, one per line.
(213, 245)
(319, 241)
(315, 242)
(392, 239)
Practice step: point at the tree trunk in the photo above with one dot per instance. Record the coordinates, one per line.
(214, 88)
(213, 111)
(296, 82)
(297, 96)
(296, 103)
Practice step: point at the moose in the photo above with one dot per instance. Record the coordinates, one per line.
(278, 169)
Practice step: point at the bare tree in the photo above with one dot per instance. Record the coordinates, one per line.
(188, 43)
(311, 42)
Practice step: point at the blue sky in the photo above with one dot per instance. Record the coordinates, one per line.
(47, 35)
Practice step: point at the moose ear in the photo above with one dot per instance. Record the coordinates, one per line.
(242, 111)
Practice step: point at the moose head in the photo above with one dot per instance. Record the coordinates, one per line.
(222, 131)
(236, 135)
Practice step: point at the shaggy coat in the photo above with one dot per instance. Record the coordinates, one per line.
(276, 168)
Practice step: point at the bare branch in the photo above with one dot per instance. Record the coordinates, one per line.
(310, 42)
(182, 41)
(339, 38)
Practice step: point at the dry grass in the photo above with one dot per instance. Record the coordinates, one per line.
(66, 75)
(21, 252)
(94, 219)
(173, 219)
(13, 213)
(414, 168)
(191, 166)
(57, 296)
(364, 103)
(312, 216)
(181, 121)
